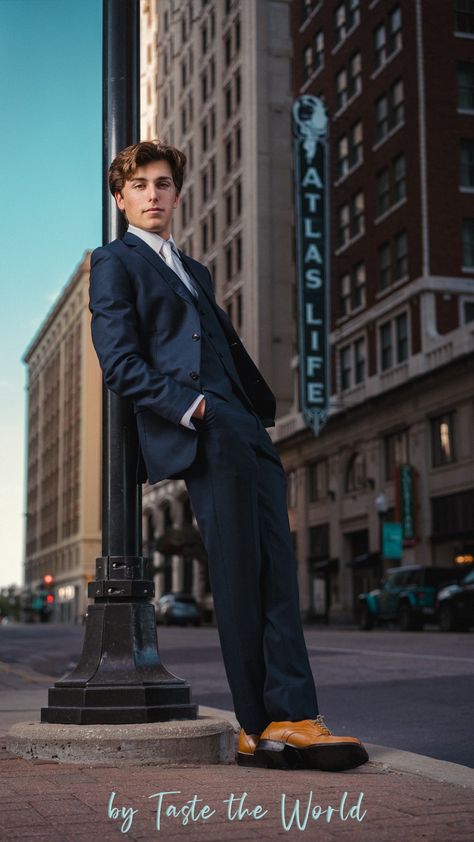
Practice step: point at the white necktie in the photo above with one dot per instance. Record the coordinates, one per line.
(175, 264)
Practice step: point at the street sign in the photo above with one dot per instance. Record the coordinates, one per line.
(392, 540)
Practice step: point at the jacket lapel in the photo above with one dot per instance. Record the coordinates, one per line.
(164, 270)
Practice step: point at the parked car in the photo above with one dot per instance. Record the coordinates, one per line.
(407, 596)
(178, 608)
(455, 605)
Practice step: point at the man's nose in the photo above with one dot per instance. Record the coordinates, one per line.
(152, 192)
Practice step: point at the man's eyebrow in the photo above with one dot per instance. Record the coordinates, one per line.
(159, 178)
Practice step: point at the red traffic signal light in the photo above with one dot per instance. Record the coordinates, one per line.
(50, 598)
(48, 579)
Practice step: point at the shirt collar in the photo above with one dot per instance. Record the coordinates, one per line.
(155, 241)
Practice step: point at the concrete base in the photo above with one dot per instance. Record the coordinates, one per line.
(206, 740)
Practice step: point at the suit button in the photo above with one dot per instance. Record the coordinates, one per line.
(194, 375)
(196, 336)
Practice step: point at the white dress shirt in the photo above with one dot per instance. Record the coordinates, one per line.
(155, 242)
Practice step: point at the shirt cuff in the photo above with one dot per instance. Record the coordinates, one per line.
(186, 419)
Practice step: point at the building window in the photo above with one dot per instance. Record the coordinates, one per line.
(359, 360)
(319, 542)
(213, 123)
(228, 155)
(346, 16)
(352, 359)
(318, 56)
(355, 474)
(228, 102)
(468, 243)
(204, 87)
(213, 226)
(237, 35)
(355, 75)
(318, 480)
(383, 191)
(467, 312)
(393, 336)
(238, 198)
(443, 436)
(349, 81)
(307, 7)
(228, 262)
(204, 136)
(345, 363)
(341, 89)
(238, 143)
(228, 208)
(349, 150)
(464, 16)
(358, 286)
(400, 269)
(343, 225)
(466, 163)
(204, 39)
(238, 88)
(204, 236)
(345, 298)
(307, 62)
(389, 110)
(401, 335)
(387, 38)
(385, 346)
(240, 314)
(357, 214)
(204, 187)
(350, 219)
(213, 174)
(396, 452)
(238, 247)
(391, 185)
(385, 278)
(466, 86)
(228, 50)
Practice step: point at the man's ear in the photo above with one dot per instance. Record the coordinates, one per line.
(176, 200)
(119, 199)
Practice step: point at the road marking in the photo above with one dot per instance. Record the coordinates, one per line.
(386, 652)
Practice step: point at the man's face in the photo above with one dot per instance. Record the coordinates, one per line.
(150, 197)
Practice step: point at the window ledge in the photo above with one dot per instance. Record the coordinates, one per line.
(386, 63)
(349, 243)
(346, 175)
(347, 35)
(389, 134)
(311, 78)
(390, 210)
(346, 105)
(398, 283)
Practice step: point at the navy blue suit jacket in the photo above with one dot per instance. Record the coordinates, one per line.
(143, 320)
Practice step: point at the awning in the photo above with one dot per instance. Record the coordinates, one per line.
(367, 560)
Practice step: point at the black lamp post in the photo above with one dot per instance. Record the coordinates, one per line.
(120, 677)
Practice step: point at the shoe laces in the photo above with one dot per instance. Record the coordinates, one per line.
(319, 721)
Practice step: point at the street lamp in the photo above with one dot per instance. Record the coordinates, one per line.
(382, 506)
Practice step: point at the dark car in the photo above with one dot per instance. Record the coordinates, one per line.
(455, 605)
(407, 596)
(178, 608)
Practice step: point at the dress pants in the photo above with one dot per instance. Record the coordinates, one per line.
(238, 492)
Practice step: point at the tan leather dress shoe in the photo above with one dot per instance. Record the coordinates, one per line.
(308, 744)
(246, 750)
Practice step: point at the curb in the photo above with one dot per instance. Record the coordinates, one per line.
(394, 759)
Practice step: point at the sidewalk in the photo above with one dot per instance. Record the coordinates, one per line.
(396, 795)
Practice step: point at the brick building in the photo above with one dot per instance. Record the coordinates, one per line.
(397, 80)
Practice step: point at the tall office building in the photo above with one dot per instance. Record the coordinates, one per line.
(63, 499)
(397, 80)
(224, 97)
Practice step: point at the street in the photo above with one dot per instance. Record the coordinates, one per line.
(410, 691)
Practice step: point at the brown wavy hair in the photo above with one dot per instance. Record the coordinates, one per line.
(128, 160)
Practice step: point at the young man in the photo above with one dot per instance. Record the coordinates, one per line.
(202, 407)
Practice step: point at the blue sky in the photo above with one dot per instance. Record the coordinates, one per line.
(50, 208)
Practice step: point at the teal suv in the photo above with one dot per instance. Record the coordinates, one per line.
(406, 596)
